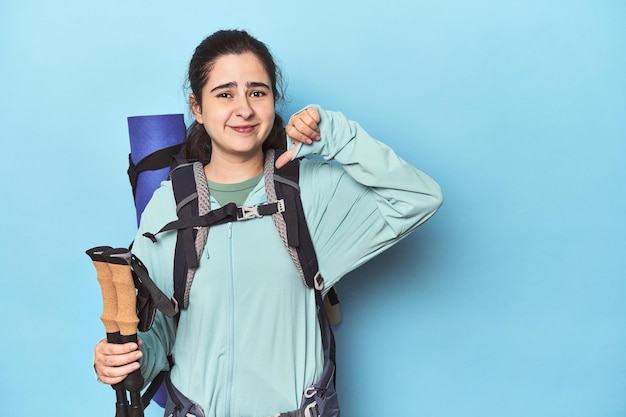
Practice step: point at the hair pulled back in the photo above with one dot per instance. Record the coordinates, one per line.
(229, 42)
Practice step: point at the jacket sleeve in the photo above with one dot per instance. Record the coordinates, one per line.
(363, 200)
(158, 341)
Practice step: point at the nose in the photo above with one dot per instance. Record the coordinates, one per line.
(244, 109)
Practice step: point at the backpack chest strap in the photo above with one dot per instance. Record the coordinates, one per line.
(228, 213)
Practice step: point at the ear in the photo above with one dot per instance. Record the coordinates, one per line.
(195, 108)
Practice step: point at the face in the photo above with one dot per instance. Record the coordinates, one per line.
(237, 107)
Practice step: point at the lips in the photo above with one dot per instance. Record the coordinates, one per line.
(243, 129)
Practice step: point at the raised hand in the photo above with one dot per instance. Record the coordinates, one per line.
(303, 127)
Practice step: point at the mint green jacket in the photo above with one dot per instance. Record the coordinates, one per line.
(249, 343)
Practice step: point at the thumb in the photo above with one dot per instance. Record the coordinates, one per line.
(285, 157)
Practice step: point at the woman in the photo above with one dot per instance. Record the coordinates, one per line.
(249, 344)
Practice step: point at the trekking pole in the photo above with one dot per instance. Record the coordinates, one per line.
(109, 317)
(119, 261)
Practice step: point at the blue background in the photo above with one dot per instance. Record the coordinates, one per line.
(509, 302)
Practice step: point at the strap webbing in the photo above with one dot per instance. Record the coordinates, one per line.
(167, 306)
(152, 389)
(228, 213)
(157, 160)
(298, 238)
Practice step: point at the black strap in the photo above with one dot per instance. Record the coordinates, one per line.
(332, 296)
(144, 283)
(152, 389)
(328, 336)
(184, 186)
(157, 160)
(228, 213)
(218, 216)
(286, 183)
(286, 180)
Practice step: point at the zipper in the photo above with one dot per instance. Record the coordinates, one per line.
(231, 356)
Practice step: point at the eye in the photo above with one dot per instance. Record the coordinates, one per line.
(224, 95)
(258, 93)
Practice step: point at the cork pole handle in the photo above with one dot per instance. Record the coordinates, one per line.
(109, 316)
(109, 297)
(126, 296)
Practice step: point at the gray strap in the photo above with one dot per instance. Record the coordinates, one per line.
(279, 221)
(204, 206)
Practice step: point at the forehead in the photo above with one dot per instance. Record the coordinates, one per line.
(244, 67)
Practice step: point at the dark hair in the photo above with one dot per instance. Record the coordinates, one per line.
(229, 42)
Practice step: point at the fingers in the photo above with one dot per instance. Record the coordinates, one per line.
(113, 362)
(286, 156)
(304, 126)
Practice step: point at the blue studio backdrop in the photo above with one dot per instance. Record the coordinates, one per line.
(509, 302)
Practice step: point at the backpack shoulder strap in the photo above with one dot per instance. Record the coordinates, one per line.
(291, 224)
(191, 193)
(283, 183)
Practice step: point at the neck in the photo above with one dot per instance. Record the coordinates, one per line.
(229, 170)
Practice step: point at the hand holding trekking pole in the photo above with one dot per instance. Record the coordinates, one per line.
(119, 318)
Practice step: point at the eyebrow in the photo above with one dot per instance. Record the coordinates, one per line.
(233, 84)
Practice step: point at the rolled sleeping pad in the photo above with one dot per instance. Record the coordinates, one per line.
(153, 141)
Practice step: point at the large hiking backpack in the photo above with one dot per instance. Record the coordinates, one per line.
(284, 205)
(195, 217)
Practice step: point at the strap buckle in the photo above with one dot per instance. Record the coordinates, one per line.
(318, 281)
(248, 212)
(280, 205)
(310, 392)
(260, 210)
(311, 410)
